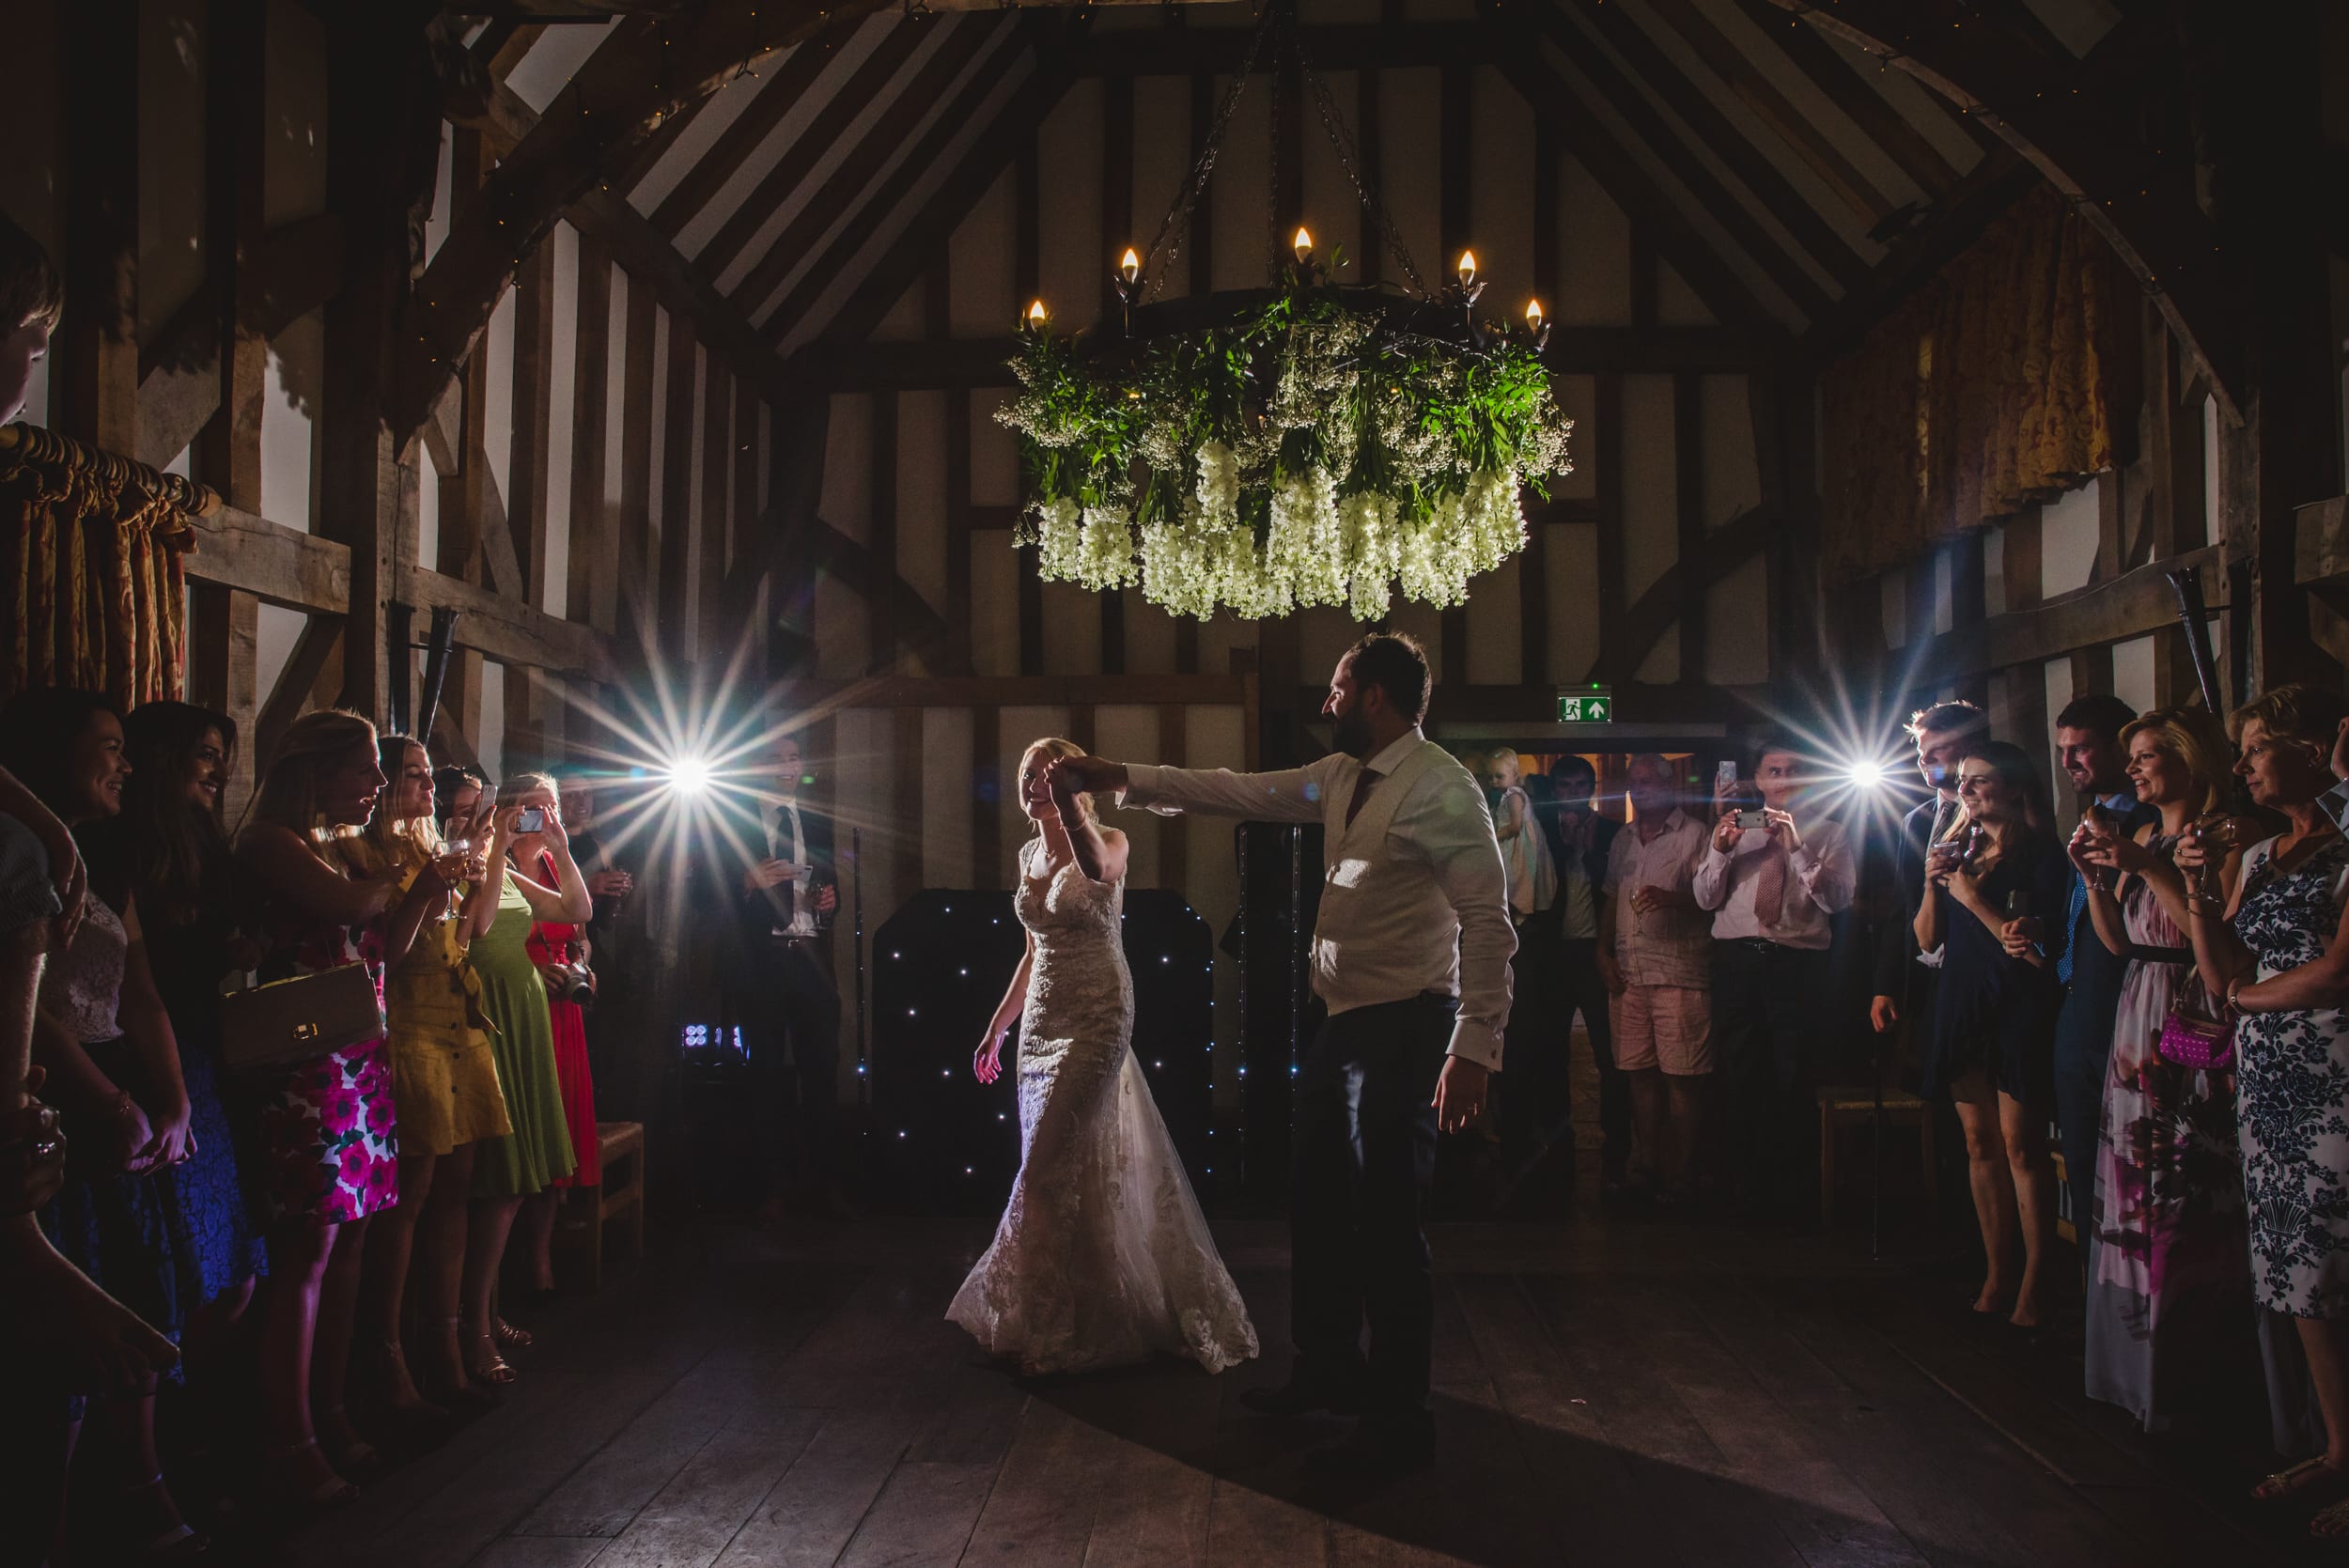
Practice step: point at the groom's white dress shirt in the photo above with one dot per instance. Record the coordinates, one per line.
(1414, 899)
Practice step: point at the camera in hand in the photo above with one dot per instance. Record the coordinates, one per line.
(569, 979)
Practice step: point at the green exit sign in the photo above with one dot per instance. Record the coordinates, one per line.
(1588, 705)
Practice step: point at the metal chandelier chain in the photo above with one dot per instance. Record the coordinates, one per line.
(1194, 184)
(1350, 159)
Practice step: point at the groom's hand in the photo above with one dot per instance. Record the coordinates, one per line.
(1087, 775)
(1460, 1094)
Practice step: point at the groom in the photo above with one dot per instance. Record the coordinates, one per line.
(1411, 954)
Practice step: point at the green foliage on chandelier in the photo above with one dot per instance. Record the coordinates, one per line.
(1313, 452)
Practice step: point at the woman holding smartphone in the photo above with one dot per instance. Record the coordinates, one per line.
(538, 1152)
(1992, 1048)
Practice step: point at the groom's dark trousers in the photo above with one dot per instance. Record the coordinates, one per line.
(1366, 1158)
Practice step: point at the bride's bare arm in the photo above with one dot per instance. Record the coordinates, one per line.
(1100, 852)
(988, 1060)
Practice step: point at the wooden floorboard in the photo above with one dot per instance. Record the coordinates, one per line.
(1604, 1394)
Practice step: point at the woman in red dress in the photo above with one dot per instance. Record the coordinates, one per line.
(552, 945)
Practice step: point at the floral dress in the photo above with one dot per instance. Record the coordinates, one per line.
(2167, 1274)
(323, 1132)
(2292, 1078)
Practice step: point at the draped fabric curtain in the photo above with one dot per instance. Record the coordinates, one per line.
(90, 556)
(1997, 386)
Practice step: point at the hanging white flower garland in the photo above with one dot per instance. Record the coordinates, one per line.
(1312, 454)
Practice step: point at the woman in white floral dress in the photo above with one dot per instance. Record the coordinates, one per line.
(2280, 958)
(1102, 1256)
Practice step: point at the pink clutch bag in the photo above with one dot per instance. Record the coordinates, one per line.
(2192, 1037)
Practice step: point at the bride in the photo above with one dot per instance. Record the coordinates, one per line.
(1102, 1256)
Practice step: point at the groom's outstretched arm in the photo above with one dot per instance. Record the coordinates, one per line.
(1292, 794)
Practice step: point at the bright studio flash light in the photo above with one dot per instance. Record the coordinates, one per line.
(691, 775)
(1867, 774)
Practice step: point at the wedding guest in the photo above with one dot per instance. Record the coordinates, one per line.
(1580, 839)
(1940, 734)
(2166, 1277)
(2278, 956)
(1770, 880)
(1524, 853)
(2089, 745)
(553, 946)
(445, 1087)
(1992, 1049)
(1655, 954)
(110, 1053)
(322, 1134)
(538, 1151)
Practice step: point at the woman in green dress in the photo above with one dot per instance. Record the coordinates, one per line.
(539, 1151)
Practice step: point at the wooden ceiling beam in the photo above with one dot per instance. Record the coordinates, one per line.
(2077, 127)
(809, 148)
(777, 95)
(1002, 47)
(1625, 184)
(1761, 96)
(1846, 86)
(647, 70)
(1189, 51)
(1714, 133)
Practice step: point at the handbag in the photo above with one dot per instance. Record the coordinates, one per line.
(2195, 1034)
(297, 1019)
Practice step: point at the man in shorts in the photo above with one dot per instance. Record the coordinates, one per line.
(1655, 954)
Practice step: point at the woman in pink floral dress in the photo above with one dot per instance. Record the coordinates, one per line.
(320, 1136)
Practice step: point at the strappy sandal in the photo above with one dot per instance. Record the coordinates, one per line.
(326, 1497)
(178, 1540)
(356, 1457)
(2293, 1480)
(463, 1398)
(2331, 1522)
(510, 1337)
(494, 1370)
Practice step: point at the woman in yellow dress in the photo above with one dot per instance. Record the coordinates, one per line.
(445, 1083)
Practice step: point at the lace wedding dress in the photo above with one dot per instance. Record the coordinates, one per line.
(1102, 1256)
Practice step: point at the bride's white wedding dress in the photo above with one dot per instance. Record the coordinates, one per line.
(1102, 1256)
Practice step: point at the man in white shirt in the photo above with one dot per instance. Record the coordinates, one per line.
(1411, 954)
(1772, 882)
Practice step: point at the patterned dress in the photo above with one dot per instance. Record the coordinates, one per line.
(549, 943)
(2292, 1072)
(1101, 1257)
(323, 1133)
(2168, 1277)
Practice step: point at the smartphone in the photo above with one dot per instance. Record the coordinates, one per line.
(2019, 904)
(1753, 820)
(532, 821)
(1724, 778)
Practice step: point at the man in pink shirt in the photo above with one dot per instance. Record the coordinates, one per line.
(1656, 953)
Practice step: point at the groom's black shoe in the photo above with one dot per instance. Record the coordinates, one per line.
(1303, 1396)
(1382, 1448)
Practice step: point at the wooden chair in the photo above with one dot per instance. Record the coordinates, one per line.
(621, 1195)
(1846, 1107)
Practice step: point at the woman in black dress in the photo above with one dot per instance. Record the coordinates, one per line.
(1992, 1048)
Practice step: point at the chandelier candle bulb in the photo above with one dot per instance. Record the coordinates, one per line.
(1534, 315)
(1036, 317)
(1129, 267)
(1467, 268)
(1302, 244)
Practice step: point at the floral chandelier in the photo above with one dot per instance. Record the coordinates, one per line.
(1307, 444)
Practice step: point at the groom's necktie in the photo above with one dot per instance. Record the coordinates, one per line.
(1364, 782)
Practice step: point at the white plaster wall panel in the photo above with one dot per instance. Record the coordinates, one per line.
(1857, 148)
(2133, 673)
(848, 465)
(554, 60)
(861, 740)
(921, 495)
(905, 322)
(2057, 676)
(1072, 256)
(489, 737)
(1577, 398)
(436, 224)
(1651, 515)
(979, 268)
(1130, 731)
(701, 134)
(1737, 626)
(1994, 571)
(297, 362)
(1920, 105)
(294, 162)
(1331, 206)
(1072, 625)
(1593, 253)
(1005, 79)
(703, 510)
(1676, 304)
(171, 97)
(995, 569)
(946, 786)
(842, 630)
(1944, 606)
(1422, 621)
(561, 406)
(1501, 200)
(1662, 664)
(2212, 511)
(497, 397)
(274, 632)
(1892, 605)
(1162, 133)
(658, 437)
(427, 514)
(1570, 557)
(1015, 729)
(1732, 476)
(1411, 164)
(994, 451)
(1323, 634)
(615, 442)
(2068, 535)
(1237, 190)
(1219, 637)
(1149, 637)
(1496, 621)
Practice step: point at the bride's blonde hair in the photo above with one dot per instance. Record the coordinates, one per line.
(1053, 747)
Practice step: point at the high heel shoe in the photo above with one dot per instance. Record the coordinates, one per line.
(459, 1395)
(350, 1454)
(510, 1337)
(394, 1403)
(175, 1540)
(486, 1365)
(322, 1496)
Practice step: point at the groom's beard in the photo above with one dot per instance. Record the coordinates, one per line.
(1352, 735)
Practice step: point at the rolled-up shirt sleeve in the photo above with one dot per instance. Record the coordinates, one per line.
(1452, 827)
(1711, 882)
(1291, 794)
